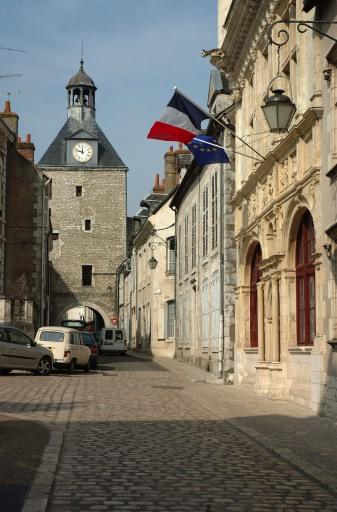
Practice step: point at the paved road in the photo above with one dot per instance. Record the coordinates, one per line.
(137, 439)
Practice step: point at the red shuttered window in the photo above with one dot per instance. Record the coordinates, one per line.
(305, 282)
(255, 276)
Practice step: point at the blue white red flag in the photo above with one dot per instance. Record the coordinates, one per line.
(180, 122)
(206, 150)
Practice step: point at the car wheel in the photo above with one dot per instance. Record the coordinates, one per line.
(71, 366)
(4, 371)
(45, 366)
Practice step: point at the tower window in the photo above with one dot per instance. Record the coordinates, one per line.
(86, 275)
(87, 225)
(79, 192)
(55, 234)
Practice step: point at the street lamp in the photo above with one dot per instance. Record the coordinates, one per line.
(152, 263)
(279, 111)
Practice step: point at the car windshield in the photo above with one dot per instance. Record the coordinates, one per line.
(51, 336)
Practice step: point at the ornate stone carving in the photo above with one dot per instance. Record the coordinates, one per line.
(270, 189)
(236, 94)
(284, 177)
(252, 206)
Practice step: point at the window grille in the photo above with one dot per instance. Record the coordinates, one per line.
(194, 237)
(205, 222)
(186, 240)
(214, 218)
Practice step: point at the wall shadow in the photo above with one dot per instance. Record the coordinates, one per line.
(22, 444)
(185, 466)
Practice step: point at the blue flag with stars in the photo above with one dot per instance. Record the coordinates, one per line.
(206, 150)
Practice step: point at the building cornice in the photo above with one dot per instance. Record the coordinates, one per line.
(143, 235)
(279, 152)
(239, 45)
(312, 176)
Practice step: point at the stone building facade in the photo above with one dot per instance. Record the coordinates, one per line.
(206, 256)
(88, 209)
(147, 295)
(281, 339)
(326, 381)
(25, 230)
(152, 303)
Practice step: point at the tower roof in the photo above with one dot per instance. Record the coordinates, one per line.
(56, 153)
(81, 78)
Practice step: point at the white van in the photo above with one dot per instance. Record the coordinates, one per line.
(112, 340)
(67, 347)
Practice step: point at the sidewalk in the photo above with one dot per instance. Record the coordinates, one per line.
(293, 432)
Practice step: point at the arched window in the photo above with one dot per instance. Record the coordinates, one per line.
(305, 281)
(255, 276)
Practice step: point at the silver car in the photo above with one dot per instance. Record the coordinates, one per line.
(19, 352)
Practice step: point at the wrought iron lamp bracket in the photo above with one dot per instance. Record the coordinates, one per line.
(302, 26)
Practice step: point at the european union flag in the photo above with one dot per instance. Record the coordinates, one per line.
(206, 150)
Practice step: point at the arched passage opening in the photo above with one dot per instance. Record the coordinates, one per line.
(93, 319)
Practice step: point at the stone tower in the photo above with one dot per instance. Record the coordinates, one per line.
(88, 209)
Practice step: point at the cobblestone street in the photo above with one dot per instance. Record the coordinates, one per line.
(139, 436)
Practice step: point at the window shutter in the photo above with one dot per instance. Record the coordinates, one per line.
(165, 320)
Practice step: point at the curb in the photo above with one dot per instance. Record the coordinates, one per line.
(307, 468)
(323, 478)
(38, 496)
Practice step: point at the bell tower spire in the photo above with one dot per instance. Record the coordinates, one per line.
(81, 94)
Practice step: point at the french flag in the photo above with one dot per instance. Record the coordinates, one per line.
(180, 122)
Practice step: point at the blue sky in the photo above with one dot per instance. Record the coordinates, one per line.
(136, 51)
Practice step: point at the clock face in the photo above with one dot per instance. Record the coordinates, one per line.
(82, 152)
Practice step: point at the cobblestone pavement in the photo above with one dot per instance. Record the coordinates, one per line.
(138, 438)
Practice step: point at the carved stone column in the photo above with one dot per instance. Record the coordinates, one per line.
(260, 321)
(275, 353)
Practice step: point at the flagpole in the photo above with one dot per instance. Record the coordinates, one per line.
(219, 122)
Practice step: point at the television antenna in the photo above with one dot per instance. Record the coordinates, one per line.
(11, 93)
(10, 76)
(11, 50)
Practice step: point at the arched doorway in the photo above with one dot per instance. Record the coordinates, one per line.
(305, 281)
(92, 317)
(255, 276)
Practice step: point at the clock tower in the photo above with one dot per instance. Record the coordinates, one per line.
(88, 210)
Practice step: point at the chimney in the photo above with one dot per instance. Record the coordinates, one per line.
(27, 148)
(10, 118)
(170, 170)
(156, 185)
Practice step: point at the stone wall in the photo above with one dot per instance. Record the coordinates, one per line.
(103, 202)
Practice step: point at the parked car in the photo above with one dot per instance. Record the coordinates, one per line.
(89, 341)
(67, 347)
(20, 352)
(112, 340)
(80, 325)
